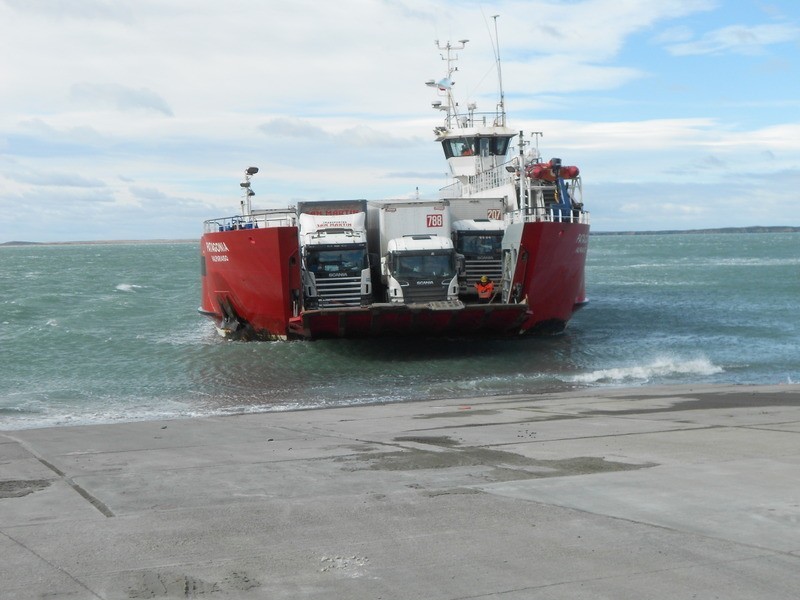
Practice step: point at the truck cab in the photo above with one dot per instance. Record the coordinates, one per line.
(480, 242)
(421, 268)
(336, 267)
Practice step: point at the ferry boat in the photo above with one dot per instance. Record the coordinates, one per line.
(509, 221)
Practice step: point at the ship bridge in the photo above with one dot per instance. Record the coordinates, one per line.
(474, 150)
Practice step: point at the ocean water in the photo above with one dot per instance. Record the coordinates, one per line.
(109, 333)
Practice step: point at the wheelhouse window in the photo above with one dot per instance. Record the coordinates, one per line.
(499, 145)
(459, 147)
(472, 146)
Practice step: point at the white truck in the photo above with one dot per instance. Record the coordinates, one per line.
(418, 263)
(478, 227)
(333, 245)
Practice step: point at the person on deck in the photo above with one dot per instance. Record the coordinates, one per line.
(485, 289)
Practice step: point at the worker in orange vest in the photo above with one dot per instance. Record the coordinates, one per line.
(485, 288)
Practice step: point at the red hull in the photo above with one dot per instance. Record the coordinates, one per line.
(251, 289)
(550, 273)
(251, 280)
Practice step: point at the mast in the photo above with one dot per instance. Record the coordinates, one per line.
(446, 85)
(502, 105)
(247, 193)
(524, 182)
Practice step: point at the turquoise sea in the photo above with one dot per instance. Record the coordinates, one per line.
(110, 332)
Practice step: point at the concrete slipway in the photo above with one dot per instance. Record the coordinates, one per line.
(686, 492)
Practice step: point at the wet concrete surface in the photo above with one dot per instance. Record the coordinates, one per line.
(685, 492)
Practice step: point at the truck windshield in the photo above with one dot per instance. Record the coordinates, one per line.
(486, 245)
(323, 262)
(427, 265)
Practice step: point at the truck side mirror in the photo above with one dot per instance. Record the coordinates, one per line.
(461, 265)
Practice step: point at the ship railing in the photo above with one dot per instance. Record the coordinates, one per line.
(475, 184)
(256, 220)
(548, 215)
(475, 119)
(451, 191)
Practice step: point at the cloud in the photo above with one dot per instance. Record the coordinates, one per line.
(359, 136)
(564, 75)
(57, 179)
(119, 96)
(148, 193)
(135, 105)
(415, 174)
(674, 35)
(688, 204)
(738, 39)
(293, 128)
(45, 132)
(73, 9)
(594, 31)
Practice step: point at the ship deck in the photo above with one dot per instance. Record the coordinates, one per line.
(421, 319)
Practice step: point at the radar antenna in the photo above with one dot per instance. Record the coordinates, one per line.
(446, 85)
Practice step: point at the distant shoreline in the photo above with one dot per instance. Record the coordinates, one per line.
(98, 242)
(752, 229)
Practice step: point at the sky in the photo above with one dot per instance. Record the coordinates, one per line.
(136, 120)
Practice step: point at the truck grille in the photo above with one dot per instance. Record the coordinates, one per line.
(424, 293)
(476, 269)
(339, 291)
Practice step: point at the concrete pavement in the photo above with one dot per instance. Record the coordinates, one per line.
(684, 492)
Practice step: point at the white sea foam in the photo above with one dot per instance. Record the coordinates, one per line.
(659, 367)
(758, 262)
(128, 287)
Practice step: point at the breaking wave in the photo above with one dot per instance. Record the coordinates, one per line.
(661, 367)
